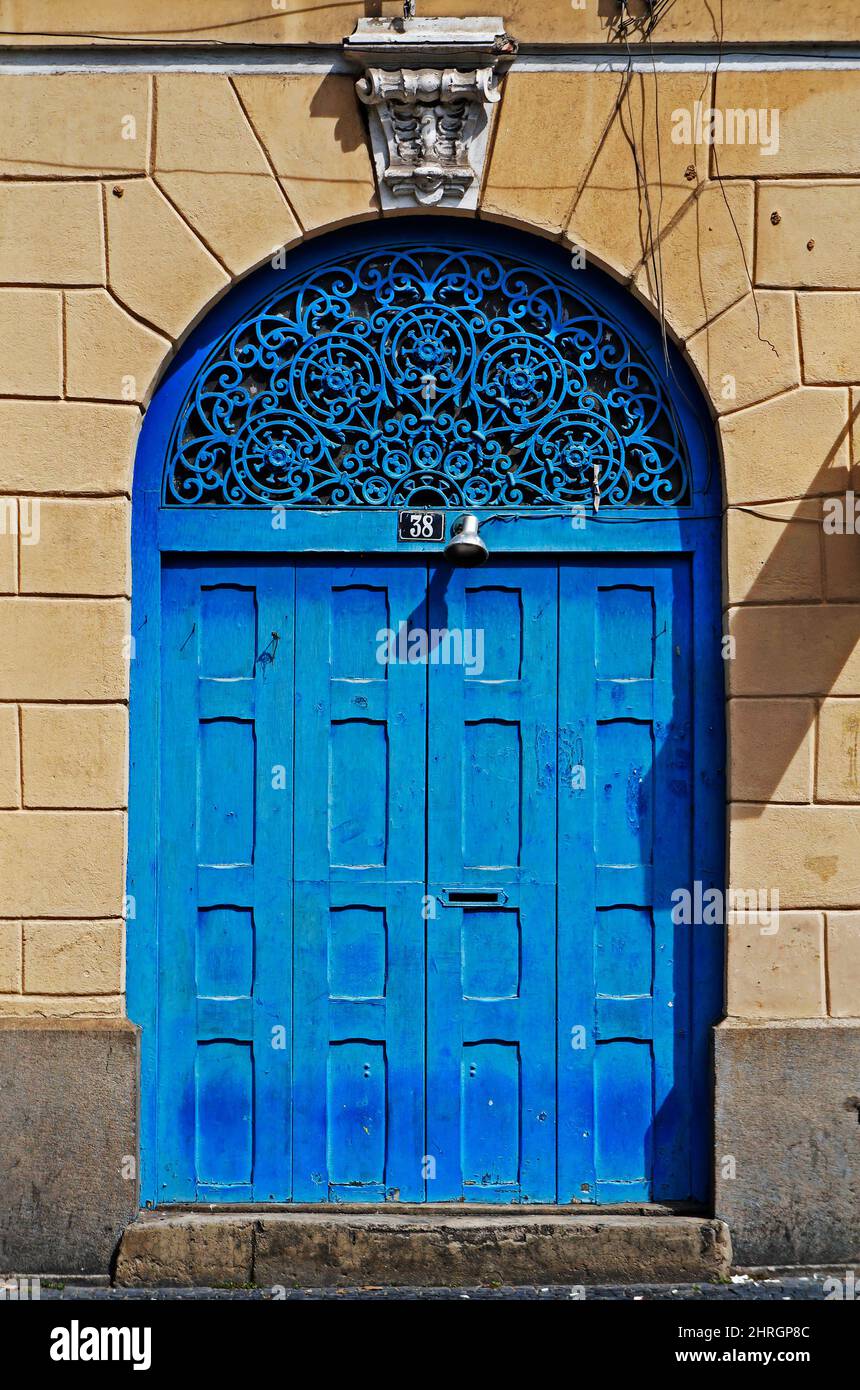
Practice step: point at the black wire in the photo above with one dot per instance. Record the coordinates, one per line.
(657, 263)
(759, 335)
(159, 36)
(617, 516)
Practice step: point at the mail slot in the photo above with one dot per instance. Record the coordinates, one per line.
(477, 897)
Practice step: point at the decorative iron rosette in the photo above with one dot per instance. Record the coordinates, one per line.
(427, 377)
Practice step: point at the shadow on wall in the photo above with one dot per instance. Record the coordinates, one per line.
(648, 1077)
(327, 102)
(797, 627)
(791, 589)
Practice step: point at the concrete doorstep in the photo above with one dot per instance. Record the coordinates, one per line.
(332, 1248)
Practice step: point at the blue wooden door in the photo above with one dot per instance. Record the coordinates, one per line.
(225, 905)
(359, 885)
(416, 940)
(491, 834)
(625, 810)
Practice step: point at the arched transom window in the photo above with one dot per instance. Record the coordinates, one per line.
(427, 375)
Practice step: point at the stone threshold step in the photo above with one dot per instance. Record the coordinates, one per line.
(419, 1247)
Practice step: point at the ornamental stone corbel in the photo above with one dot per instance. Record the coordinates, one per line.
(431, 88)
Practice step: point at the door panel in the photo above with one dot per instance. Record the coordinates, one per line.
(224, 959)
(624, 844)
(359, 886)
(491, 869)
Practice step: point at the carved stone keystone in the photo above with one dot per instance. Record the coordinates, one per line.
(430, 86)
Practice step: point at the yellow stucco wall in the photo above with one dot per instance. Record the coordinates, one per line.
(130, 202)
(326, 21)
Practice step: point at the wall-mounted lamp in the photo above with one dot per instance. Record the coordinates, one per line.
(466, 548)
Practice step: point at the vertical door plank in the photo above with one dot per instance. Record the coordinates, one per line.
(625, 841)
(273, 874)
(491, 831)
(177, 994)
(225, 910)
(360, 882)
(577, 791)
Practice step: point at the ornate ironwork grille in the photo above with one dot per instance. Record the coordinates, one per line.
(427, 377)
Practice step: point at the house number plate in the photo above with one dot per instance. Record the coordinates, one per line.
(421, 526)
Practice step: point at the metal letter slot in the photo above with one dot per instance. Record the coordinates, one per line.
(473, 897)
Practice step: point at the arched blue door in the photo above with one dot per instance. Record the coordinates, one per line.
(405, 836)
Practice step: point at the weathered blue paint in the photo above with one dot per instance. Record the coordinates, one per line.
(491, 828)
(625, 699)
(359, 942)
(445, 891)
(224, 1051)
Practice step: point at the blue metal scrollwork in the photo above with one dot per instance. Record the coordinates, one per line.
(427, 376)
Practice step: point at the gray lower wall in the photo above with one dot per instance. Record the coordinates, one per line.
(68, 1127)
(788, 1113)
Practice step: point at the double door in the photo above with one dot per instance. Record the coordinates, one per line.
(420, 829)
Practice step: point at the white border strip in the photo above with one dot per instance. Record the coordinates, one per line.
(310, 59)
(641, 60)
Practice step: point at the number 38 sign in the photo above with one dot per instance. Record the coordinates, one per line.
(421, 526)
